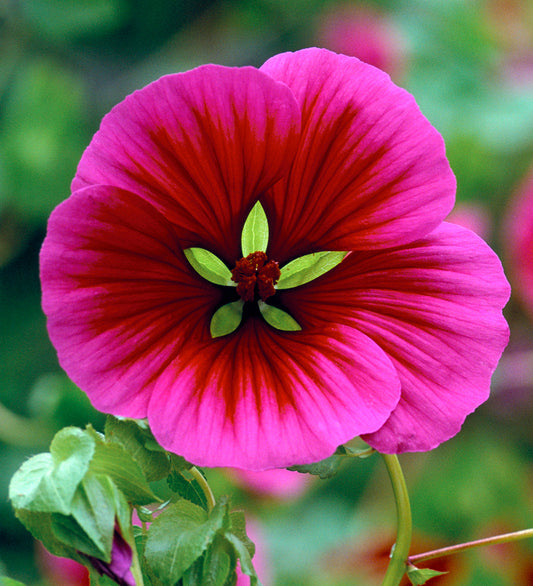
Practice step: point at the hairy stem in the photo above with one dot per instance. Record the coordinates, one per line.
(444, 551)
(200, 478)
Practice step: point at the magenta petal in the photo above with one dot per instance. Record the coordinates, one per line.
(261, 398)
(201, 146)
(120, 298)
(434, 307)
(370, 172)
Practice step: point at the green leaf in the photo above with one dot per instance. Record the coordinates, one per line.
(278, 318)
(209, 266)
(111, 459)
(179, 536)
(244, 557)
(137, 439)
(421, 576)
(255, 231)
(226, 319)
(93, 508)
(5, 581)
(46, 483)
(308, 267)
(184, 484)
(40, 526)
(218, 563)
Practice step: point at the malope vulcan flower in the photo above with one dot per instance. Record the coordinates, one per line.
(168, 286)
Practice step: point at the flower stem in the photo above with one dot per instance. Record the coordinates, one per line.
(400, 552)
(200, 478)
(444, 551)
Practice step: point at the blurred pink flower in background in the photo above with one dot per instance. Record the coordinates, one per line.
(261, 559)
(366, 33)
(277, 483)
(517, 238)
(472, 216)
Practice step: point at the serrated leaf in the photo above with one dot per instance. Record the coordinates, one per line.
(218, 563)
(47, 482)
(255, 231)
(111, 459)
(419, 576)
(238, 528)
(226, 319)
(93, 508)
(179, 536)
(188, 488)
(308, 267)
(209, 266)
(140, 444)
(242, 553)
(278, 318)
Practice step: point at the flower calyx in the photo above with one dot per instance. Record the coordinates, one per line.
(256, 277)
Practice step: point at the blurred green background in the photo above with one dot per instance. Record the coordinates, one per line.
(469, 64)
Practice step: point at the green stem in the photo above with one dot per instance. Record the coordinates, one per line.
(200, 478)
(444, 551)
(135, 568)
(400, 552)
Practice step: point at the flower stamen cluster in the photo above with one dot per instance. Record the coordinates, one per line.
(255, 276)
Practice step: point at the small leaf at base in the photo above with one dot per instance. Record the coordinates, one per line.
(255, 231)
(226, 319)
(278, 318)
(308, 267)
(418, 576)
(209, 266)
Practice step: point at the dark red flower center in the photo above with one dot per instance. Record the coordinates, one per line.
(255, 276)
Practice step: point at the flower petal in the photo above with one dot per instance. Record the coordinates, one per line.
(262, 398)
(120, 297)
(201, 146)
(435, 308)
(370, 172)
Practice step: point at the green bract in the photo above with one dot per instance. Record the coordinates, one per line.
(255, 231)
(308, 267)
(278, 318)
(226, 319)
(209, 266)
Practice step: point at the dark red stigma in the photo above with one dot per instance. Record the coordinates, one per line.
(255, 276)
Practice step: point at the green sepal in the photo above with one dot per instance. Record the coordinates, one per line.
(255, 231)
(328, 467)
(209, 266)
(418, 576)
(226, 319)
(278, 318)
(46, 483)
(308, 267)
(180, 535)
(137, 439)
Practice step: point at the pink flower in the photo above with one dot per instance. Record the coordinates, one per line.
(518, 240)
(397, 342)
(277, 483)
(365, 33)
